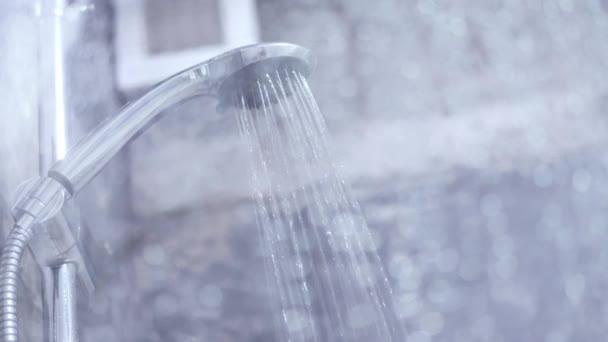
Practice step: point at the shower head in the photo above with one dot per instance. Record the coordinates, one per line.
(234, 73)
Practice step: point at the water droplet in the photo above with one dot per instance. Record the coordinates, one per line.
(469, 269)
(427, 7)
(419, 336)
(458, 26)
(505, 266)
(165, 304)
(575, 288)
(581, 180)
(295, 320)
(408, 305)
(431, 323)
(483, 327)
(557, 336)
(447, 260)
(566, 5)
(361, 316)
(400, 266)
(154, 255)
(491, 205)
(211, 296)
(543, 177)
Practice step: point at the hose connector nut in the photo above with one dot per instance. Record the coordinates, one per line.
(40, 198)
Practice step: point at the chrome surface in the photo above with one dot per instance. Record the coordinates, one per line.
(15, 245)
(41, 198)
(55, 119)
(87, 158)
(64, 303)
(54, 244)
(57, 234)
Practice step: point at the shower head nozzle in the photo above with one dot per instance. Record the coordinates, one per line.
(255, 64)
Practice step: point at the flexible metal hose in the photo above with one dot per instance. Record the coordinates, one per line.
(41, 199)
(16, 243)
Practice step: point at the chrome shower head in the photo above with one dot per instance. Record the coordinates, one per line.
(223, 77)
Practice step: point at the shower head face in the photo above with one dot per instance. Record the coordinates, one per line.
(247, 67)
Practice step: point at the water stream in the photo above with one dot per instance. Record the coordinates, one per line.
(320, 255)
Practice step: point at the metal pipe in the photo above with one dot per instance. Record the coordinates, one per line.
(48, 289)
(64, 302)
(59, 25)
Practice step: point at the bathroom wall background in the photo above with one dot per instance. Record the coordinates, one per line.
(472, 132)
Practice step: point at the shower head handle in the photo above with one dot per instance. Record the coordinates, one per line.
(88, 157)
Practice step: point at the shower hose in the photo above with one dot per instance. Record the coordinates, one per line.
(12, 253)
(43, 199)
